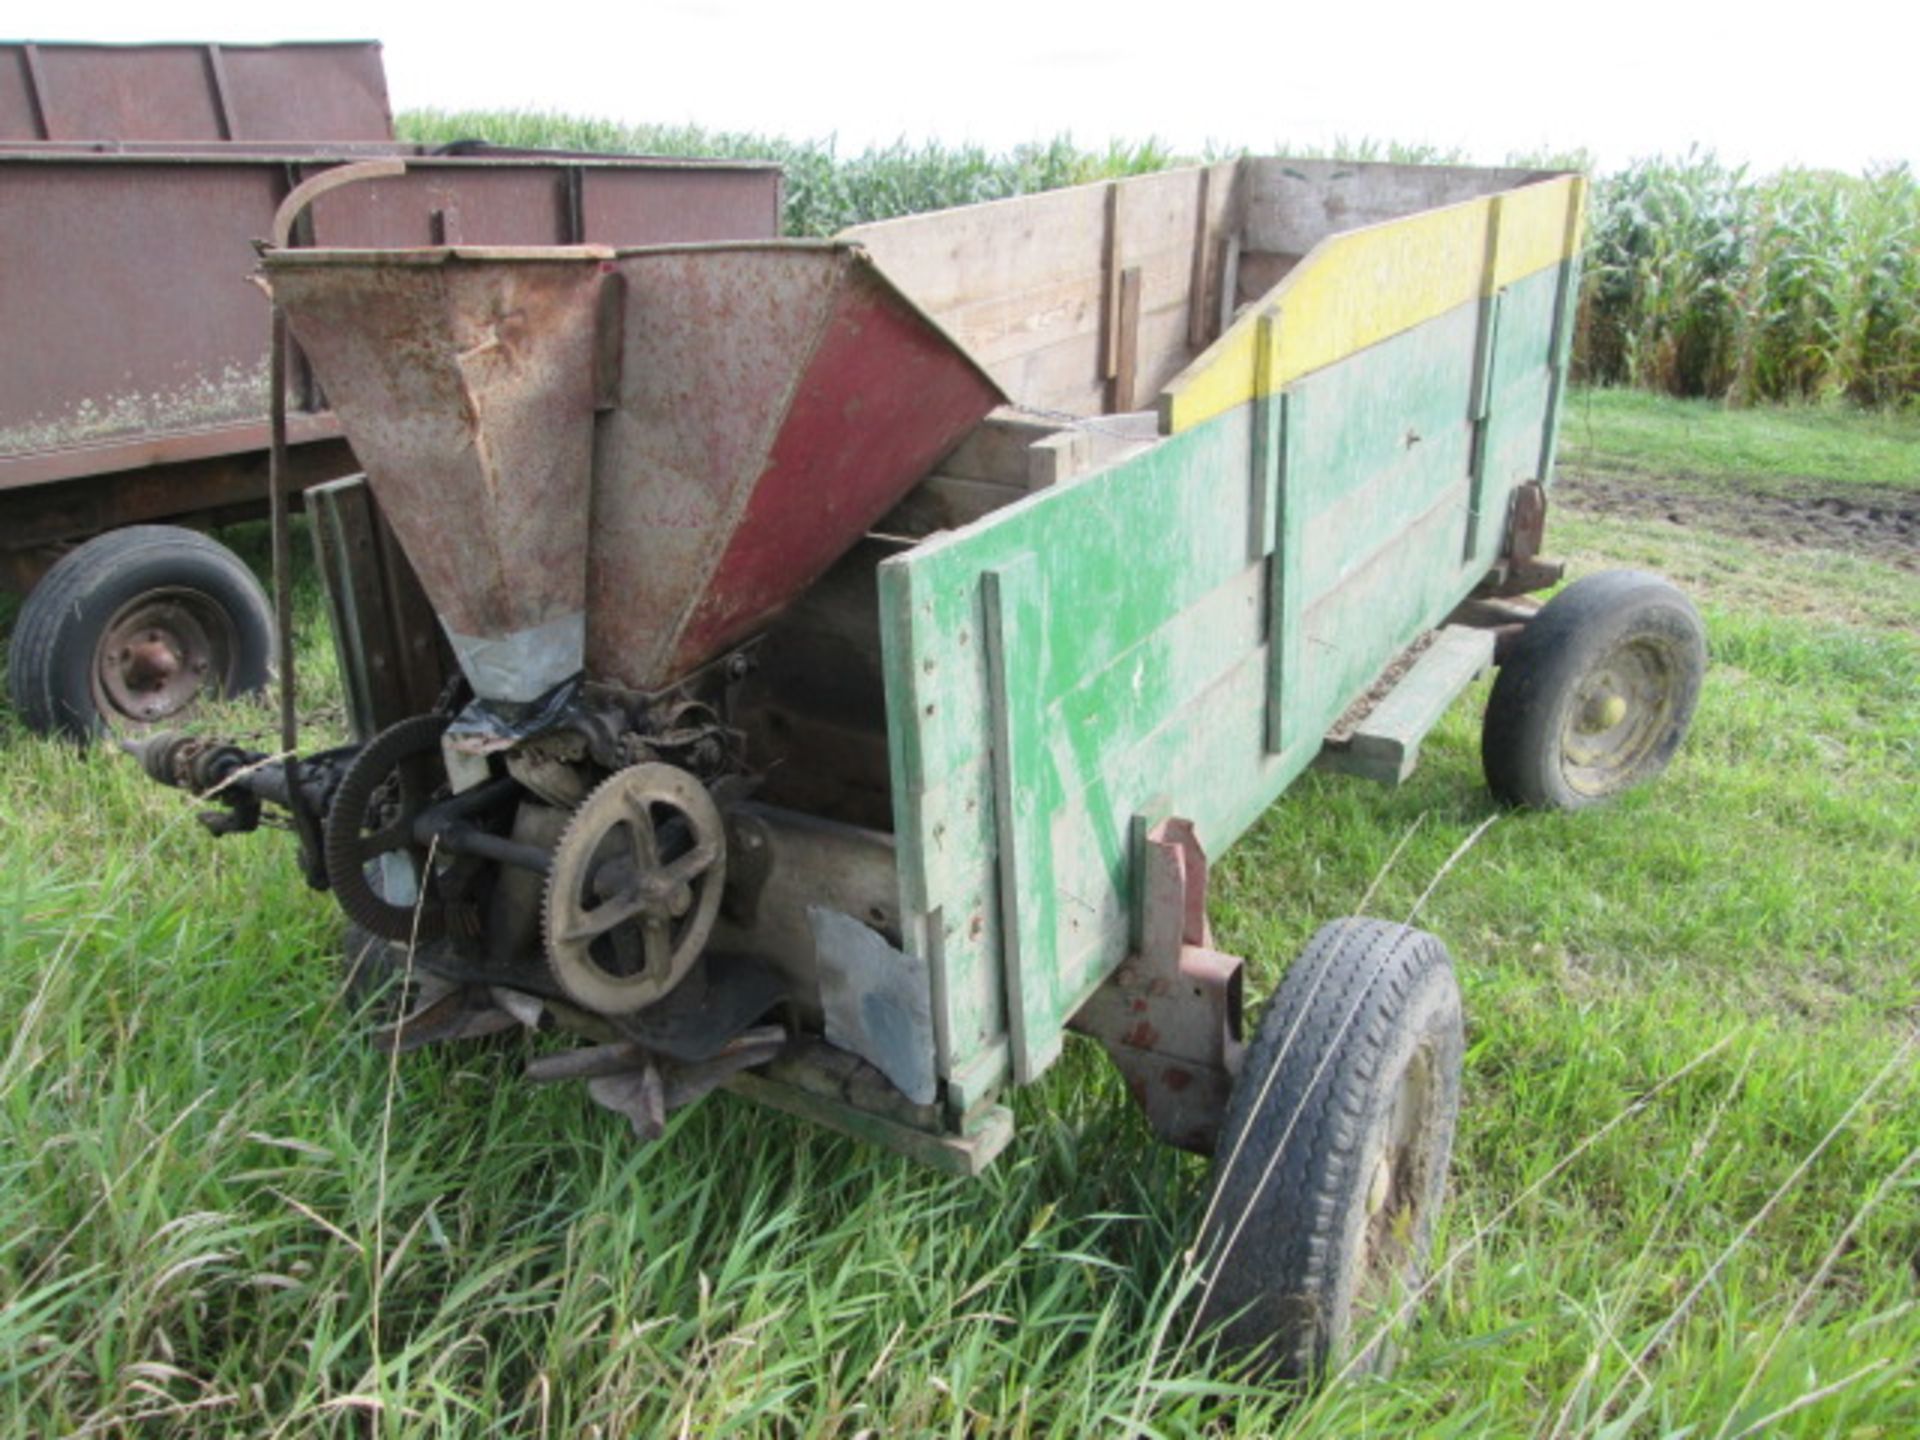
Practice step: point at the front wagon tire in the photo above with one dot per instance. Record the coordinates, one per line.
(1333, 1156)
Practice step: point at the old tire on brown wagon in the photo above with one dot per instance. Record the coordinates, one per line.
(135, 626)
(1332, 1160)
(1597, 693)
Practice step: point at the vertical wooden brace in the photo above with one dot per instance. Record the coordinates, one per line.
(1566, 304)
(940, 990)
(1481, 405)
(1197, 315)
(1229, 280)
(1014, 617)
(1110, 288)
(1482, 418)
(1126, 360)
(1286, 602)
(1267, 408)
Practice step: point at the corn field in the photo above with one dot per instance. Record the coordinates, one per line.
(1701, 280)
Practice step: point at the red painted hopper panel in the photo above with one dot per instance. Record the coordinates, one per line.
(775, 401)
(752, 410)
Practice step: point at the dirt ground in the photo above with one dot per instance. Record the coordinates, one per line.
(1881, 523)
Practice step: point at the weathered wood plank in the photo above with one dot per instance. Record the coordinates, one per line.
(1343, 536)
(1294, 204)
(1362, 286)
(1041, 274)
(1410, 580)
(996, 448)
(1013, 600)
(1385, 745)
(1148, 537)
(1365, 413)
(948, 258)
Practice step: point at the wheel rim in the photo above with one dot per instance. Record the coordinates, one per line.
(158, 653)
(1621, 713)
(1399, 1189)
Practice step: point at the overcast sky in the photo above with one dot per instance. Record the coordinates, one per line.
(1836, 84)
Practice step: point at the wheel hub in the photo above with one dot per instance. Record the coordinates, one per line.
(1395, 1189)
(1622, 709)
(158, 653)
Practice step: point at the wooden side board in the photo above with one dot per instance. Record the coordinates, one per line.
(1034, 286)
(1359, 287)
(1174, 634)
(1292, 205)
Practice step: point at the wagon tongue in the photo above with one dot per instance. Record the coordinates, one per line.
(624, 463)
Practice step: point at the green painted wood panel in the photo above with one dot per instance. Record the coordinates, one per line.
(1527, 310)
(1368, 413)
(1564, 318)
(1110, 647)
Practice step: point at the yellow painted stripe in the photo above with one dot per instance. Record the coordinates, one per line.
(1357, 289)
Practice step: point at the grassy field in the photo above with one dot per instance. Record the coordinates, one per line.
(1685, 1195)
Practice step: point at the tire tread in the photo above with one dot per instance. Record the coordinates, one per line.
(43, 631)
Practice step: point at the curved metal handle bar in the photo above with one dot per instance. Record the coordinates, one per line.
(307, 191)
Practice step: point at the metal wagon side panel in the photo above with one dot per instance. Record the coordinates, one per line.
(1176, 633)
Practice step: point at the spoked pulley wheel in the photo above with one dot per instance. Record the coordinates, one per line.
(378, 871)
(634, 888)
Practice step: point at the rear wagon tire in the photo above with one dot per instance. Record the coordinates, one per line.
(134, 627)
(1597, 694)
(1333, 1155)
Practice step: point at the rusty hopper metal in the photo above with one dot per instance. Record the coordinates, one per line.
(625, 461)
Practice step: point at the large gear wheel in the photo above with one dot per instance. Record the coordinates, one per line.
(368, 834)
(634, 888)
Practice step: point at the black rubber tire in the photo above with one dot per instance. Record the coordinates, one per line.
(52, 660)
(1350, 1086)
(1616, 622)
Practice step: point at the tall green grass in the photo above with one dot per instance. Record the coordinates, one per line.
(1683, 1201)
(1701, 280)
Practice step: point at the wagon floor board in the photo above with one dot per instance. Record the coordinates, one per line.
(1384, 741)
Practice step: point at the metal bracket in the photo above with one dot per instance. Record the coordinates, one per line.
(1170, 1015)
(1520, 570)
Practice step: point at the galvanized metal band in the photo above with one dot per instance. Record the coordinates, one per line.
(525, 664)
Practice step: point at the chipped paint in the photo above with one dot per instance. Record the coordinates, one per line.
(235, 393)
